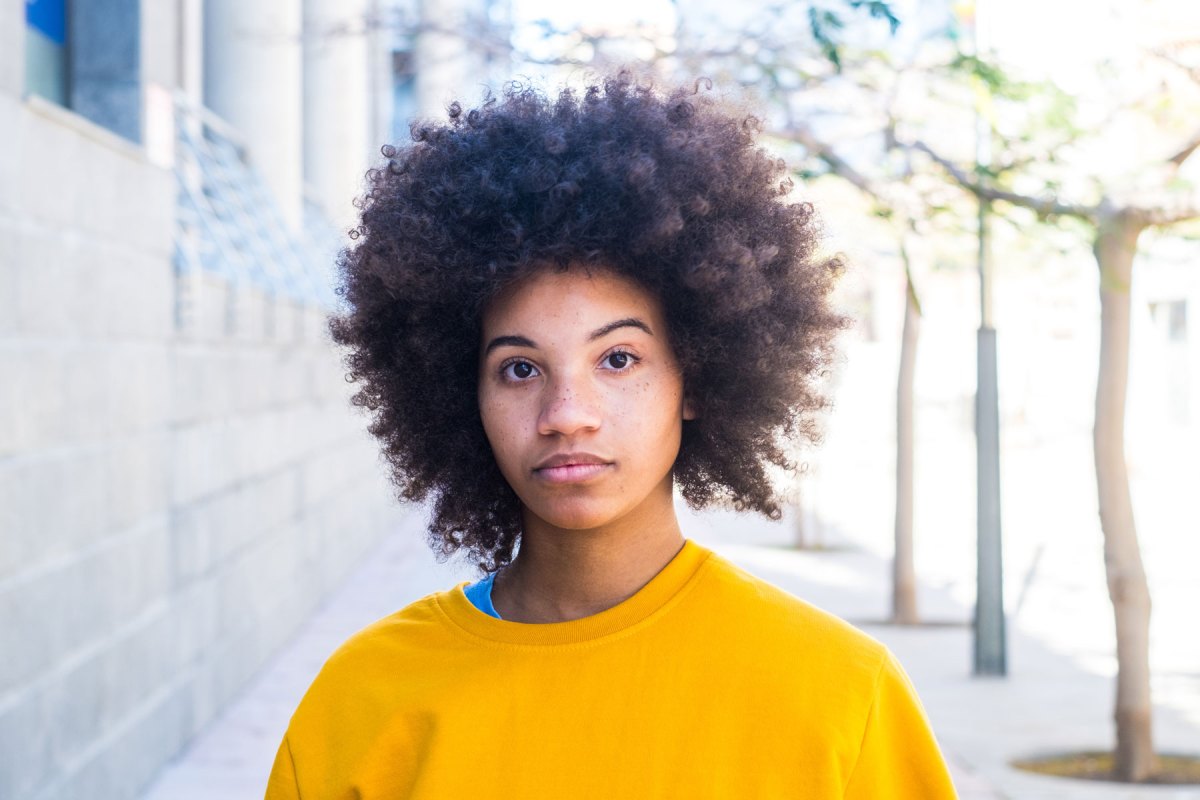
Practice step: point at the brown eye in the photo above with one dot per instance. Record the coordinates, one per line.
(518, 370)
(620, 361)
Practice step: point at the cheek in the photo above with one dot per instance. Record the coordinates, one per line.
(491, 414)
(502, 424)
(653, 409)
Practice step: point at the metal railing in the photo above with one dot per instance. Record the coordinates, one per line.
(229, 223)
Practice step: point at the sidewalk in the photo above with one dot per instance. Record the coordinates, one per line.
(1047, 704)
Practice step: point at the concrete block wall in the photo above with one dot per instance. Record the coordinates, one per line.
(182, 478)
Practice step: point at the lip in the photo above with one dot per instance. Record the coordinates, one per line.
(571, 467)
(567, 459)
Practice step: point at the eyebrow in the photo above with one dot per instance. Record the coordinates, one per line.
(603, 330)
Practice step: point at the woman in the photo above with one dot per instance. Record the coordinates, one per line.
(560, 311)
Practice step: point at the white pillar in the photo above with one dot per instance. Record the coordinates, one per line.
(12, 49)
(336, 103)
(252, 78)
(191, 50)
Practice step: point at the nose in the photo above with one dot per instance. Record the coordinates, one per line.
(569, 406)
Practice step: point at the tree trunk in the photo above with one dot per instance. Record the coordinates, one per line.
(904, 580)
(1115, 246)
(800, 534)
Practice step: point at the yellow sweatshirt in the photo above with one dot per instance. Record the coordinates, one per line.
(706, 683)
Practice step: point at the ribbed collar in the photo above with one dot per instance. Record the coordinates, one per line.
(669, 583)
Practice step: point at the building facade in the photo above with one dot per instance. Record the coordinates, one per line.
(182, 477)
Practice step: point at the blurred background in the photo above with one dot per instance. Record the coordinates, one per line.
(192, 516)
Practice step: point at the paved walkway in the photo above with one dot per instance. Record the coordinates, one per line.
(1049, 703)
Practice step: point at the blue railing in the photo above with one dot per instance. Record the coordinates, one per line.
(229, 223)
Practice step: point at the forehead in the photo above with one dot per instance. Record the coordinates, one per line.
(569, 299)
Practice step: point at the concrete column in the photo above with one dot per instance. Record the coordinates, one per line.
(253, 79)
(336, 103)
(162, 36)
(12, 48)
(191, 49)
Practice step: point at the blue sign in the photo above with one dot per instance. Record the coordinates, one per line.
(49, 17)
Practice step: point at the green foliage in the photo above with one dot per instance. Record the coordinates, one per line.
(1031, 121)
(994, 79)
(825, 24)
(878, 10)
(986, 172)
(821, 22)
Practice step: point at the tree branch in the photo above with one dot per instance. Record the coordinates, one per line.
(1155, 216)
(802, 135)
(1188, 69)
(1047, 206)
(1160, 217)
(1186, 153)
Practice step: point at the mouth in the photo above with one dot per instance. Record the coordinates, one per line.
(571, 467)
(571, 473)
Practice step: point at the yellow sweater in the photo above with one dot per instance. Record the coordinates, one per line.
(707, 683)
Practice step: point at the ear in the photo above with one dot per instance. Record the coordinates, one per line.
(689, 409)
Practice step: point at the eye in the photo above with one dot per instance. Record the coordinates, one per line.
(517, 370)
(620, 360)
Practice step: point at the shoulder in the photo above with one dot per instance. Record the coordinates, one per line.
(391, 634)
(762, 616)
(373, 662)
(791, 660)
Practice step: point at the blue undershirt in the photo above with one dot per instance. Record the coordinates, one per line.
(480, 595)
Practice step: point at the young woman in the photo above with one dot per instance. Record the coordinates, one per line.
(560, 312)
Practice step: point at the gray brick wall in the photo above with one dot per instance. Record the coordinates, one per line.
(181, 476)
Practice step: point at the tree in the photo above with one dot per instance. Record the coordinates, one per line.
(1121, 210)
(1117, 226)
(899, 209)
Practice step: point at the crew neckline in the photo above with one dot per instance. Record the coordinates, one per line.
(669, 582)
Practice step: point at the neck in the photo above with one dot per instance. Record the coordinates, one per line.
(564, 574)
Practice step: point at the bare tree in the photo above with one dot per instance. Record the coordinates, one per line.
(901, 208)
(1116, 228)
(904, 573)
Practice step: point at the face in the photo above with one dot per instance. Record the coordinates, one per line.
(581, 396)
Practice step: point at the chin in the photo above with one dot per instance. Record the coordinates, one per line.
(574, 516)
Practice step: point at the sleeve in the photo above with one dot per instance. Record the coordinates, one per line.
(899, 758)
(282, 785)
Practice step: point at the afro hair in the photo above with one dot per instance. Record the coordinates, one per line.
(666, 187)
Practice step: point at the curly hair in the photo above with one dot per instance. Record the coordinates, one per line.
(667, 188)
